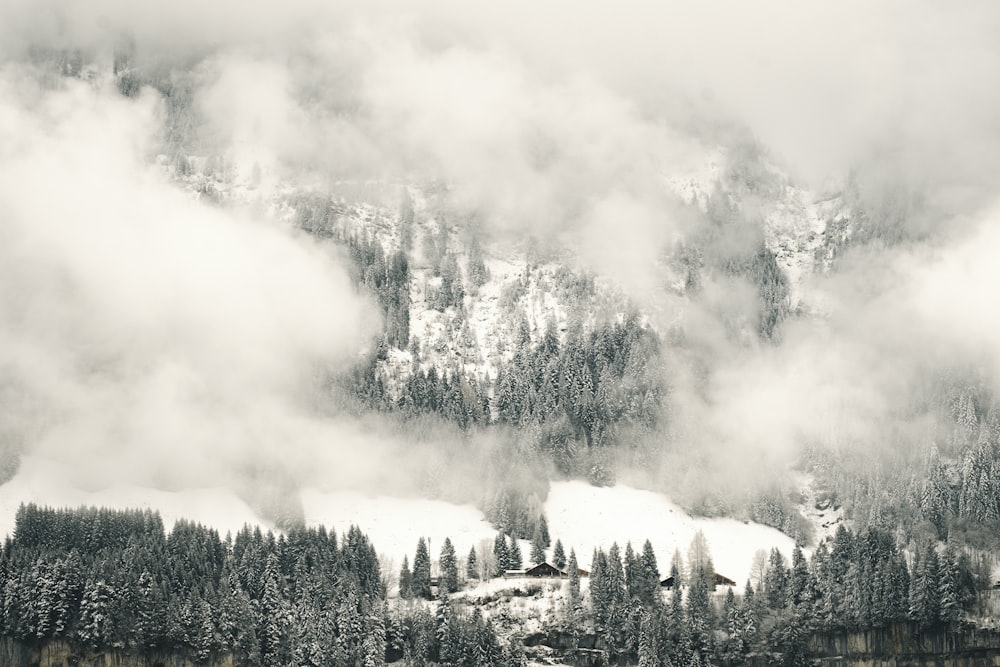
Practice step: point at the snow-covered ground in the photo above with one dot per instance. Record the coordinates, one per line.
(45, 482)
(585, 517)
(582, 516)
(394, 524)
(821, 512)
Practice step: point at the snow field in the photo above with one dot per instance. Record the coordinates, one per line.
(45, 482)
(585, 517)
(395, 524)
(582, 516)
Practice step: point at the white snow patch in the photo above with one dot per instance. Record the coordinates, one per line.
(585, 517)
(694, 181)
(45, 482)
(395, 524)
(582, 516)
(821, 512)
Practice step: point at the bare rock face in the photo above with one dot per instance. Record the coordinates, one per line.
(62, 654)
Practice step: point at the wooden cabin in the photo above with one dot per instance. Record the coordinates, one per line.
(544, 570)
(719, 580)
(667, 583)
(514, 574)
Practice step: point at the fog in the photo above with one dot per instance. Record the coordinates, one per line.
(168, 338)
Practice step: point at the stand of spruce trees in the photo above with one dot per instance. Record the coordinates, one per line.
(103, 579)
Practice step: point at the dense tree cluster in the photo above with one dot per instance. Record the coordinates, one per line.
(590, 391)
(102, 579)
(949, 489)
(857, 581)
(774, 509)
(456, 397)
(448, 637)
(518, 515)
(387, 276)
(108, 579)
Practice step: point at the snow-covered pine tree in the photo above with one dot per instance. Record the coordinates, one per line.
(699, 614)
(631, 572)
(776, 580)
(537, 547)
(950, 608)
(405, 579)
(559, 556)
(648, 656)
(543, 527)
(649, 580)
(798, 577)
(573, 599)
(421, 585)
(501, 555)
(514, 554)
(449, 567)
(472, 566)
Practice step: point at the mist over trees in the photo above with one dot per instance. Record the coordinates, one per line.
(460, 252)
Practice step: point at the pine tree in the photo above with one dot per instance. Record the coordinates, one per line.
(647, 642)
(677, 568)
(631, 572)
(617, 602)
(599, 594)
(273, 615)
(649, 579)
(559, 556)
(537, 547)
(471, 566)
(918, 588)
(95, 628)
(501, 555)
(543, 527)
(421, 585)
(948, 585)
(776, 580)
(748, 615)
(798, 577)
(449, 567)
(514, 554)
(699, 614)
(573, 598)
(932, 607)
(405, 580)
(449, 642)
(677, 623)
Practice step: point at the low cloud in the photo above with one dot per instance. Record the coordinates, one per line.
(153, 332)
(133, 314)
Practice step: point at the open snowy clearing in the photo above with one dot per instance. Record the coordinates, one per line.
(582, 516)
(395, 524)
(585, 517)
(44, 482)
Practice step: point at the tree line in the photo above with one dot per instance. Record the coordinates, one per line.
(103, 579)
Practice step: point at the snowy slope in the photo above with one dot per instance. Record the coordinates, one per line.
(45, 482)
(582, 516)
(585, 517)
(794, 217)
(395, 524)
